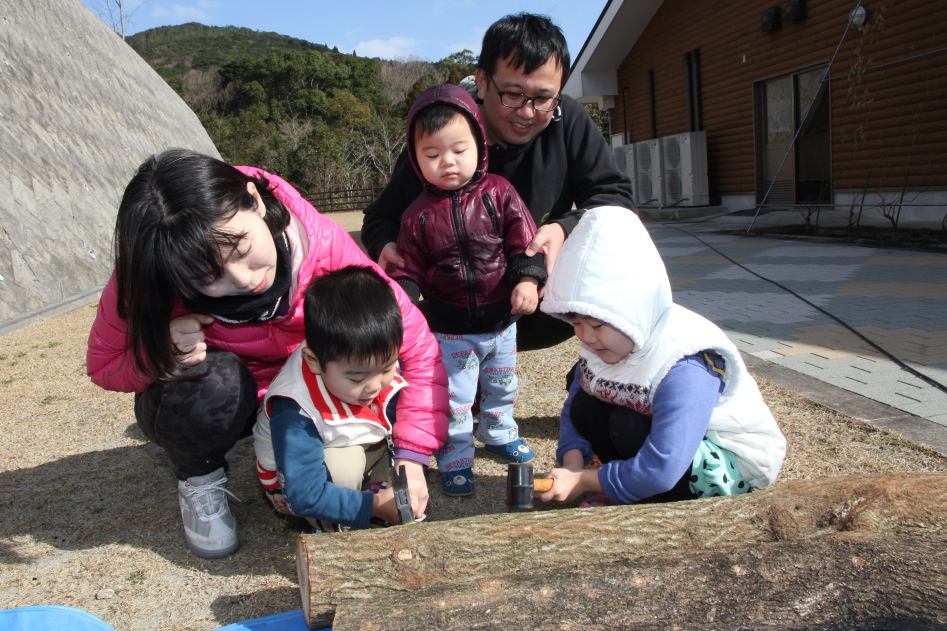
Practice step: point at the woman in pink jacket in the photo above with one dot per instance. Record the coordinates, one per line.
(205, 305)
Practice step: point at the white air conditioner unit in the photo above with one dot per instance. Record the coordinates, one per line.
(618, 153)
(647, 175)
(624, 156)
(685, 169)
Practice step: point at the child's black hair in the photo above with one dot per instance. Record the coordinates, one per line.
(528, 40)
(352, 314)
(436, 117)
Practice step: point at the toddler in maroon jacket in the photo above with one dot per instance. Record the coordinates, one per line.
(464, 243)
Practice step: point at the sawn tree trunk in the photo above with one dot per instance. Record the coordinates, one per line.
(844, 553)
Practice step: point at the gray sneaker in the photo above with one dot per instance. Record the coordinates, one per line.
(210, 530)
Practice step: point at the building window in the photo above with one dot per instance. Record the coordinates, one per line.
(793, 139)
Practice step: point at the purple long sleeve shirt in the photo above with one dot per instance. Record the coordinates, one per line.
(682, 406)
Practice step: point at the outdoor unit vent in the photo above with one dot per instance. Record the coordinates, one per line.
(647, 179)
(618, 153)
(624, 156)
(685, 169)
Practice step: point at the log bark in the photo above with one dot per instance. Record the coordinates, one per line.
(846, 553)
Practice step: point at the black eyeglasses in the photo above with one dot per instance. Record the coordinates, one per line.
(515, 100)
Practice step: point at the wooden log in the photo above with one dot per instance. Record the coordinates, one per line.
(840, 553)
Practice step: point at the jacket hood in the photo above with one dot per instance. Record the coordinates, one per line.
(609, 269)
(459, 98)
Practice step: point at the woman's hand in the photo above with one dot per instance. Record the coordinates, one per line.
(187, 335)
(417, 486)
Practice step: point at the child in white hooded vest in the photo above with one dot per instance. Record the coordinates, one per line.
(660, 394)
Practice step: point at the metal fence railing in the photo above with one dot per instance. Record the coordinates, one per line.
(351, 199)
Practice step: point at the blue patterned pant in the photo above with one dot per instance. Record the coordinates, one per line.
(489, 358)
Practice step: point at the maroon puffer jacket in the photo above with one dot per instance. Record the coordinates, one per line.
(465, 249)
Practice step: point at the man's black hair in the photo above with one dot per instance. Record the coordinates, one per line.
(352, 314)
(528, 40)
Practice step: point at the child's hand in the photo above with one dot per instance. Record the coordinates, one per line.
(383, 506)
(525, 296)
(570, 485)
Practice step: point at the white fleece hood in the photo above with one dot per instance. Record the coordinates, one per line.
(609, 269)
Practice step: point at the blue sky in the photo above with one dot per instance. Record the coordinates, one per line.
(431, 29)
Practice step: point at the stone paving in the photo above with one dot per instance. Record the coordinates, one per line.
(897, 299)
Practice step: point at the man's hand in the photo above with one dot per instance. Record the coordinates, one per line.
(417, 485)
(187, 335)
(390, 254)
(525, 296)
(549, 240)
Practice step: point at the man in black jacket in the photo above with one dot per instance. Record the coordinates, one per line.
(544, 143)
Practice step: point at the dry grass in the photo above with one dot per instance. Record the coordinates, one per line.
(88, 508)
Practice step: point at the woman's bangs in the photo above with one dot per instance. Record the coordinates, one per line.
(192, 261)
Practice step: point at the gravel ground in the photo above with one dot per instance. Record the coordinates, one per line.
(88, 508)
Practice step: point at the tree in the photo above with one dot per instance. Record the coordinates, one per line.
(377, 147)
(601, 118)
(116, 14)
(459, 65)
(399, 77)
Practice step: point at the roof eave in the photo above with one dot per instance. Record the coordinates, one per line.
(594, 73)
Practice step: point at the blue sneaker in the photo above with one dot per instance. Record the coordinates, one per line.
(458, 483)
(517, 451)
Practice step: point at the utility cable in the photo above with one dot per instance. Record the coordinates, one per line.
(928, 380)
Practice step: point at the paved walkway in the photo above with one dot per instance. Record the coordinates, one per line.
(894, 298)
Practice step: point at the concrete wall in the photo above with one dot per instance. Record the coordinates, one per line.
(79, 112)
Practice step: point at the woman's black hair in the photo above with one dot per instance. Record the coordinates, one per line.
(352, 314)
(168, 241)
(528, 40)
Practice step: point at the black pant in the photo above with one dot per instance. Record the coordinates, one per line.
(197, 422)
(618, 433)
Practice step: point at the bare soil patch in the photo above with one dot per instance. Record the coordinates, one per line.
(88, 508)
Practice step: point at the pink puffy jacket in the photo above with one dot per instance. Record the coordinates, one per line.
(263, 347)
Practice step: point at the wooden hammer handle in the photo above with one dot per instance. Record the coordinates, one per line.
(542, 485)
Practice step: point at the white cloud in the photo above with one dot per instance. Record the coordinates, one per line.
(472, 42)
(385, 48)
(180, 12)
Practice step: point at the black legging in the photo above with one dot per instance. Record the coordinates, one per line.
(198, 422)
(618, 433)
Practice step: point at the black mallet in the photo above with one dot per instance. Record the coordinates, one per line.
(520, 486)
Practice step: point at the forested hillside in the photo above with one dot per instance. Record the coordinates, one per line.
(322, 119)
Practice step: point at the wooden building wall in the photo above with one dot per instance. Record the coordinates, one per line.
(886, 121)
